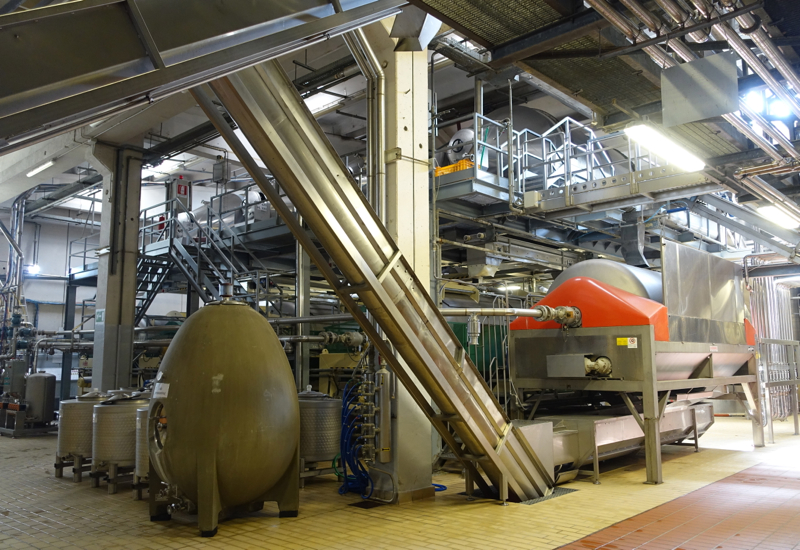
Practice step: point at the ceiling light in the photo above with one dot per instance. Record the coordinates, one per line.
(779, 109)
(41, 168)
(664, 147)
(778, 216)
(755, 100)
(33, 269)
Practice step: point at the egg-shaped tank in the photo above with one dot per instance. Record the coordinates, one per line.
(224, 420)
(635, 280)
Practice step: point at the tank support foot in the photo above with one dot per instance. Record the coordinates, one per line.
(208, 504)
(59, 467)
(286, 492)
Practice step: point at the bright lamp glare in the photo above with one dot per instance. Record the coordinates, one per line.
(755, 100)
(41, 168)
(34, 269)
(510, 288)
(162, 169)
(779, 109)
(778, 216)
(664, 147)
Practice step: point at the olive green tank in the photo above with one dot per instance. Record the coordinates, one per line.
(224, 421)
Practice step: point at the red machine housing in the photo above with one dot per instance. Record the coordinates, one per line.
(601, 305)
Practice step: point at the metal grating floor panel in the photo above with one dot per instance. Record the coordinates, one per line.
(497, 21)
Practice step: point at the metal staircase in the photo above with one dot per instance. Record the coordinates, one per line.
(151, 272)
(207, 253)
(285, 135)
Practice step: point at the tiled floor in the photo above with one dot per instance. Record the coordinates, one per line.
(39, 511)
(757, 509)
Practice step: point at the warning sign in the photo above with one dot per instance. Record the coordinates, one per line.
(630, 343)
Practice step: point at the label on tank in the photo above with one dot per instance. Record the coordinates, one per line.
(161, 390)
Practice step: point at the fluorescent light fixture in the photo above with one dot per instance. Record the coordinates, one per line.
(41, 168)
(755, 100)
(664, 147)
(162, 169)
(33, 269)
(778, 216)
(510, 287)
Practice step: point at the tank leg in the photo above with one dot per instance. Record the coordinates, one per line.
(95, 476)
(59, 466)
(208, 504)
(77, 469)
(286, 492)
(112, 479)
(159, 510)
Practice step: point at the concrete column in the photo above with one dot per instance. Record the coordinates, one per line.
(407, 219)
(116, 272)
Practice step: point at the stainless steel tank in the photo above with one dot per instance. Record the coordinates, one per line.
(75, 425)
(635, 280)
(224, 422)
(320, 426)
(142, 468)
(40, 394)
(114, 436)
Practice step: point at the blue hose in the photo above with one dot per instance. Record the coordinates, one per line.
(438, 487)
(358, 480)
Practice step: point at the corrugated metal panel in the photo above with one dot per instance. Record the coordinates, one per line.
(497, 21)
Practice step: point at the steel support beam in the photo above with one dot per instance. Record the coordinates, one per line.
(750, 217)
(548, 37)
(66, 358)
(44, 91)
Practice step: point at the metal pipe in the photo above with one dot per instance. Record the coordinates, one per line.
(765, 44)
(770, 130)
(371, 67)
(681, 18)
(740, 47)
(565, 315)
(10, 239)
(335, 318)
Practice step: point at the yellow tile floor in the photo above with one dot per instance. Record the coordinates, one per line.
(39, 511)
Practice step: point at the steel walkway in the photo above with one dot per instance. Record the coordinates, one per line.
(287, 138)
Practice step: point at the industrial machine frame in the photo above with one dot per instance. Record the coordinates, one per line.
(638, 360)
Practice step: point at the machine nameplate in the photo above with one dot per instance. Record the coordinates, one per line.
(630, 343)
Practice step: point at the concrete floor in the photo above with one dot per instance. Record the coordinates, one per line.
(39, 511)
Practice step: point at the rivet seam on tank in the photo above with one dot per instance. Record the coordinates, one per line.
(216, 382)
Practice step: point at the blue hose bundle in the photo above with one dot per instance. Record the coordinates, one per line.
(358, 481)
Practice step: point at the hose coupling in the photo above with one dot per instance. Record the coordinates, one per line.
(569, 316)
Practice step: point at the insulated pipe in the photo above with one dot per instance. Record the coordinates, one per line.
(770, 130)
(765, 44)
(687, 54)
(681, 18)
(370, 66)
(738, 45)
